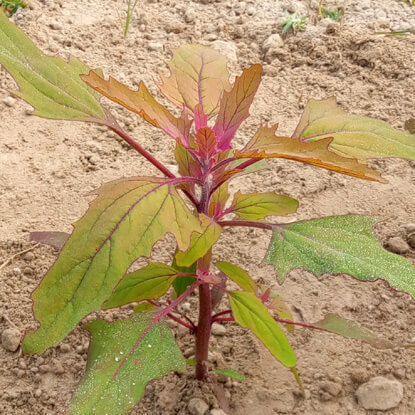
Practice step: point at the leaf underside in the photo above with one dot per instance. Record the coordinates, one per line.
(346, 328)
(249, 312)
(158, 354)
(337, 245)
(48, 83)
(123, 223)
(265, 144)
(353, 135)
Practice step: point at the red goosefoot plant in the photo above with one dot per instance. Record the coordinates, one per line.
(130, 215)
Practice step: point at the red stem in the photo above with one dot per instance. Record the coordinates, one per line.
(160, 166)
(190, 326)
(183, 323)
(249, 223)
(279, 320)
(203, 331)
(220, 314)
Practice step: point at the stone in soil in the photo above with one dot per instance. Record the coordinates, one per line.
(380, 393)
(218, 329)
(197, 406)
(411, 240)
(397, 245)
(10, 339)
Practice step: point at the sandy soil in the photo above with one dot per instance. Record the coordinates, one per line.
(47, 166)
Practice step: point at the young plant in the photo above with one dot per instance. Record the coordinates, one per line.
(130, 215)
(335, 14)
(293, 22)
(11, 6)
(131, 5)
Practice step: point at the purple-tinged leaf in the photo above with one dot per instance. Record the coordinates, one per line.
(122, 224)
(346, 328)
(198, 77)
(234, 105)
(55, 239)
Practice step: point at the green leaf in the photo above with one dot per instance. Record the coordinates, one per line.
(336, 245)
(100, 392)
(346, 328)
(255, 206)
(122, 224)
(148, 283)
(249, 311)
(238, 275)
(201, 242)
(219, 198)
(48, 83)
(180, 284)
(145, 307)
(230, 373)
(198, 77)
(353, 135)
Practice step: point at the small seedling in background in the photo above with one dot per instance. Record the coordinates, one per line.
(11, 6)
(130, 215)
(130, 12)
(335, 14)
(294, 22)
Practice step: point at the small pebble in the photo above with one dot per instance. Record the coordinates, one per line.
(27, 271)
(380, 393)
(197, 406)
(411, 240)
(29, 256)
(397, 245)
(217, 412)
(218, 329)
(10, 339)
(409, 227)
(55, 26)
(65, 348)
(9, 101)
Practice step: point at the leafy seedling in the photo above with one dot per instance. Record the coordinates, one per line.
(11, 6)
(293, 22)
(335, 14)
(129, 215)
(131, 5)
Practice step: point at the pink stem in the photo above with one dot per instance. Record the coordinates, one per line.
(221, 314)
(183, 323)
(248, 223)
(190, 326)
(160, 166)
(155, 320)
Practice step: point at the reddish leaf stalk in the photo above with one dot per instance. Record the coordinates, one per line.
(249, 224)
(190, 326)
(160, 166)
(279, 320)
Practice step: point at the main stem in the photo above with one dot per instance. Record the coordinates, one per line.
(203, 331)
(205, 305)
